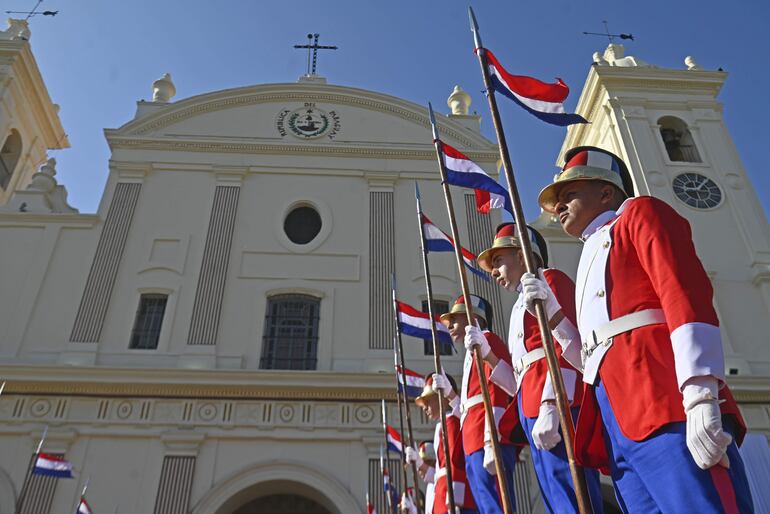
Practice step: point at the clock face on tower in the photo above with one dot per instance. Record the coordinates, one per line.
(697, 191)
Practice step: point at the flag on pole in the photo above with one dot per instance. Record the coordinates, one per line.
(543, 100)
(463, 172)
(414, 382)
(370, 508)
(394, 440)
(52, 466)
(84, 508)
(417, 324)
(437, 240)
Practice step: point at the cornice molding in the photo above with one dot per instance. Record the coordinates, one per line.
(195, 384)
(329, 150)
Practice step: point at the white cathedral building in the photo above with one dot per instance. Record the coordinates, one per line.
(217, 337)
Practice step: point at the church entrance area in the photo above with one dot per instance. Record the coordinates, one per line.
(282, 504)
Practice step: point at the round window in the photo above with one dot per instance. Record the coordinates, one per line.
(302, 225)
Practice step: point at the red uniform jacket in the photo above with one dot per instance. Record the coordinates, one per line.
(473, 419)
(462, 491)
(650, 264)
(533, 381)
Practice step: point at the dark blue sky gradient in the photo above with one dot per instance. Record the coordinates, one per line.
(99, 57)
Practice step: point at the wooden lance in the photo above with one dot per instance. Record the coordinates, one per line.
(478, 361)
(436, 359)
(562, 405)
(28, 475)
(403, 398)
(388, 494)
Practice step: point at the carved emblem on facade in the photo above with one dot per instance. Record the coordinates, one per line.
(308, 122)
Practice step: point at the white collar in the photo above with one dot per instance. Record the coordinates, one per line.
(597, 223)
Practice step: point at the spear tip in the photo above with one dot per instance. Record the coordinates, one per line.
(416, 195)
(474, 27)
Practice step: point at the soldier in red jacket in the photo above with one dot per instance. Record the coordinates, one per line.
(428, 401)
(526, 375)
(656, 411)
(477, 438)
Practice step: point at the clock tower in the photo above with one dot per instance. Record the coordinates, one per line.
(667, 125)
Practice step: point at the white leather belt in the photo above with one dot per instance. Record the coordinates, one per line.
(440, 472)
(523, 364)
(605, 333)
(471, 402)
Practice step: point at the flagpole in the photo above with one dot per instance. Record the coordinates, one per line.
(388, 494)
(562, 405)
(82, 495)
(398, 352)
(30, 466)
(382, 481)
(400, 417)
(436, 355)
(490, 417)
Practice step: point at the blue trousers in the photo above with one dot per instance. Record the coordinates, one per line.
(553, 475)
(484, 486)
(659, 474)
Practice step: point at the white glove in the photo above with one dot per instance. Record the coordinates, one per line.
(441, 383)
(411, 455)
(407, 505)
(706, 440)
(533, 288)
(489, 459)
(545, 432)
(475, 337)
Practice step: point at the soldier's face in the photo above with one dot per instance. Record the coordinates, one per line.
(579, 202)
(508, 267)
(457, 324)
(430, 407)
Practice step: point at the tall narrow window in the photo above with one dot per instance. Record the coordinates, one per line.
(290, 339)
(679, 143)
(9, 157)
(149, 319)
(439, 308)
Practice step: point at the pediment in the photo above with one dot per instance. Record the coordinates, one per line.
(291, 114)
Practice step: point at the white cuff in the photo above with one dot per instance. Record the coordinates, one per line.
(429, 475)
(568, 337)
(502, 376)
(697, 352)
(569, 376)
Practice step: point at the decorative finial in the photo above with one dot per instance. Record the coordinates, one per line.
(599, 60)
(459, 101)
(17, 29)
(44, 180)
(163, 89)
(689, 61)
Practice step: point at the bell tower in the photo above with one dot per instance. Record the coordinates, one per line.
(29, 120)
(667, 125)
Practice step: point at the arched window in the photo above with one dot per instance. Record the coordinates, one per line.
(9, 157)
(678, 140)
(290, 339)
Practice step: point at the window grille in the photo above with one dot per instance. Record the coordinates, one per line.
(290, 339)
(148, 321)
(439, 308)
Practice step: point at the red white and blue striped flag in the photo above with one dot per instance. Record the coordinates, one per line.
(437, 240)
(52, 466)
(394, 440)
(414, 382)
(543, 100)
(84, 508)
(463, 172)
(417, 324)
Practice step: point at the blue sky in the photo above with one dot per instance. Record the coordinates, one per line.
(99, 57)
